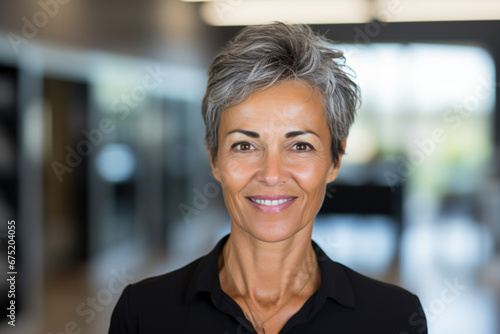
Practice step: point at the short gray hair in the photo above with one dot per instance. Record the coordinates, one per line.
(265, 55)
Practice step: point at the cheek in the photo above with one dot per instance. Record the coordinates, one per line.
(235, 172)
(311, 172)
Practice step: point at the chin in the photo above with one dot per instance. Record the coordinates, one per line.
(273, 232)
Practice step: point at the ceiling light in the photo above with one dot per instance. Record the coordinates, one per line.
(249, 12)
(442, 10)
(239, 12)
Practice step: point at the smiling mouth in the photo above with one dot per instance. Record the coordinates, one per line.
(268, 202)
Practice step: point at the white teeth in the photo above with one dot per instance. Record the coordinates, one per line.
(271, 203)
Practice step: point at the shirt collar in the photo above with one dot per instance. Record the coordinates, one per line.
(334, 280)
(335, 284)
(205, 277)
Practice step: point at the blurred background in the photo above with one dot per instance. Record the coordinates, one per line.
(104, 170)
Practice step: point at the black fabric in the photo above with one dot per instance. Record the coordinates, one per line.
(190, 300)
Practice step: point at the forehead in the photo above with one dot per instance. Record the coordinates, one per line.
(291, 103)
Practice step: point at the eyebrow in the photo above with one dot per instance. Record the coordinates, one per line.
(300, 132)
(287, 135)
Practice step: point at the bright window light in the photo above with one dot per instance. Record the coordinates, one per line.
(249, 12)
(227, 13)
(442, 10)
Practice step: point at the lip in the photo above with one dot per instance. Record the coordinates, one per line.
(274, 208)
(271, 198)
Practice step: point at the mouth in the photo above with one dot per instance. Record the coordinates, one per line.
(271, 204)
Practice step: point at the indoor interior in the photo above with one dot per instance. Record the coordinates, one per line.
(103, 165)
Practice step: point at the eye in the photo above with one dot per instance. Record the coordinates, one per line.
(303, 147)
(242, 146)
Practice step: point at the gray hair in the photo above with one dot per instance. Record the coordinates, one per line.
(265, 55)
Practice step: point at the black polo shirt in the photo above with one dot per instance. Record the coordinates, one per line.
(190, 300)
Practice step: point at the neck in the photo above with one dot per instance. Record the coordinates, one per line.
(270, 273)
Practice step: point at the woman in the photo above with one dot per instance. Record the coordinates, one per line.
(277, 111)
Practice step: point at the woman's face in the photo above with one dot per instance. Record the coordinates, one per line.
(274, 161)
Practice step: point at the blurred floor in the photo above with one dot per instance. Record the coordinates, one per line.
(83, 299)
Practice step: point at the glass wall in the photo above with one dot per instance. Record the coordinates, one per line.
(426, 126)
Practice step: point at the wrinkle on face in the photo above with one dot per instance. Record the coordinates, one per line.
(276, 126)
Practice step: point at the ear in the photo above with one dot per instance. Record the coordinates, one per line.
(333, 171)
(215, 168)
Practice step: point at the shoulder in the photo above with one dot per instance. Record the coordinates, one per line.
(351, 288)
(173, 284)
(166, 297)
(369, 289)
(381, 304)
(142, 304)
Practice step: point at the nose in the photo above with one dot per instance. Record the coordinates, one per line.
(273, 170)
